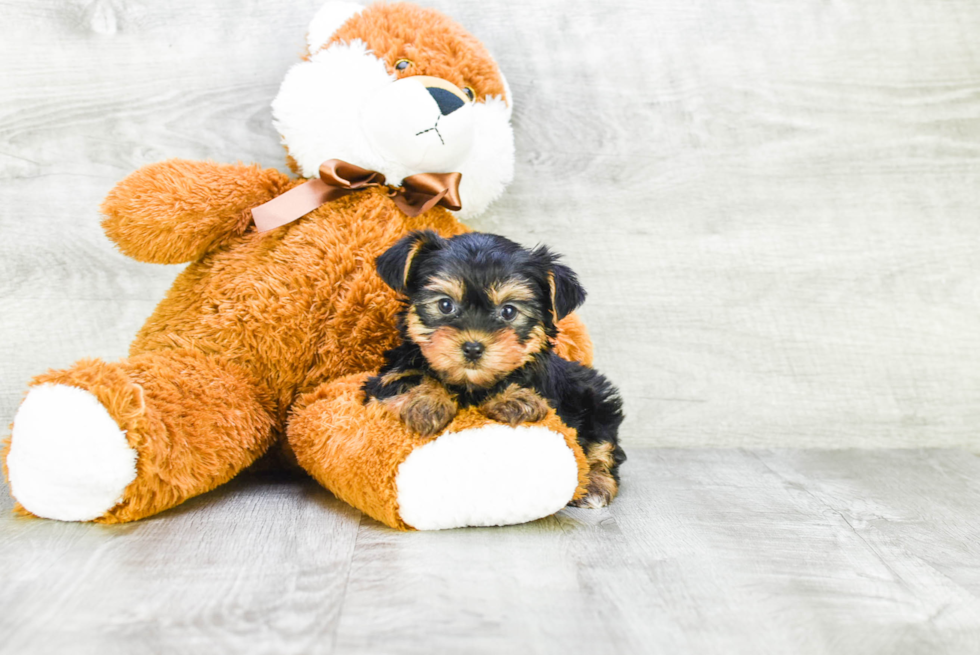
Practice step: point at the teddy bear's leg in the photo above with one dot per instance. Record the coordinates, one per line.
(116, 442)
(477, 472)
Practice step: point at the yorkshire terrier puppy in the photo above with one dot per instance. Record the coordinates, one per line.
(477, 329)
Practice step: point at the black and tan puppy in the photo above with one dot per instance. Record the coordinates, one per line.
(477, 330)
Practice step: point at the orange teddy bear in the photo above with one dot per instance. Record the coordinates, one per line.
(266, 337)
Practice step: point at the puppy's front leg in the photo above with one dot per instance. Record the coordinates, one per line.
(515, 405)
(425, 408)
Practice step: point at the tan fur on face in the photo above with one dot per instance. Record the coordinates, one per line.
(443, 348)
(450, 286)
(510, 291)
(418, 331)
(444, 351)
(537, 340)
(515, 405)
(443, 49)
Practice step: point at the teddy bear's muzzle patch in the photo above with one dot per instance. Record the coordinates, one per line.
(424, 123)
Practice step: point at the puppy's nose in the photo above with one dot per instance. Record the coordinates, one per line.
(473, 350)
(447, 100)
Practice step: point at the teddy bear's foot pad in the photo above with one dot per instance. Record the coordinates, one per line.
(68, 459)
(491, 475)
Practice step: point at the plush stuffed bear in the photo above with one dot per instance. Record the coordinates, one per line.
(266, 337)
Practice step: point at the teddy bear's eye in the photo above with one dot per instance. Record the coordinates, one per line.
(402, 64)
(470, 93)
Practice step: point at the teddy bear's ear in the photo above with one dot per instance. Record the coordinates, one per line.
(328, 20)
(394, 266)
(510, 98)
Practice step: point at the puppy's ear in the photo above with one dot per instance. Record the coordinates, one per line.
(395, 264)
(567, 294)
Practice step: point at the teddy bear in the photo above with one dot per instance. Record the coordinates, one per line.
(396, 119)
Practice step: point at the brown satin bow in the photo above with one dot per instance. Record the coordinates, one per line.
(418, 193)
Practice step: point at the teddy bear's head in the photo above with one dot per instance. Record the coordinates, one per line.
(401, 90)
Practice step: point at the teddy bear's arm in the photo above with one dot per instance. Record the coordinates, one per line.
(178, 210)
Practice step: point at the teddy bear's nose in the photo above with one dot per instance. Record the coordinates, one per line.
(447, 100)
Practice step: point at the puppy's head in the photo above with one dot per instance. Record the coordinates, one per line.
(479, 305)
(401, 90)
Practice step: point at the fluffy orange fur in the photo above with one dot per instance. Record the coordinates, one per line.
(573, 341)
(261, 325)
(443, 50)
(194, 419)
(360, 464)
(177, 211)
(254, 322)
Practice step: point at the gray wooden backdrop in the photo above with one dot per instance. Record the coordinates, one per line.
(774, 205)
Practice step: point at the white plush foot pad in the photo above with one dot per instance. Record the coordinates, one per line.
(493, 475)
(68, 459)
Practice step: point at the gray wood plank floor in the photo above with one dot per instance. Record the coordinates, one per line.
(705, 551)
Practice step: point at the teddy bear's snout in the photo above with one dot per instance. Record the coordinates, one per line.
(421, 122)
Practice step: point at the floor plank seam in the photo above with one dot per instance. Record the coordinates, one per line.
(343, 593)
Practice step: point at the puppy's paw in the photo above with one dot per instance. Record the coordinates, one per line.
(601, 490)
(593, 500)
(427, 409)
(515, 405)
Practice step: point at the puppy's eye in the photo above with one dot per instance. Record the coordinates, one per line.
(402, 64)
(470, 93)
(447, 306)
(508, 312)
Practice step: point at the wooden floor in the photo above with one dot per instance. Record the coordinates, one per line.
(706, 551)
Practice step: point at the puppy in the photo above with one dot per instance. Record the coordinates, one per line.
(477, 330)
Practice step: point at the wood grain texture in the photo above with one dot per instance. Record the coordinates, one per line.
(705, 551)
(774, 206)
(263, 562)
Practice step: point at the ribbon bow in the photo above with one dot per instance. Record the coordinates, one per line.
(418, 193)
